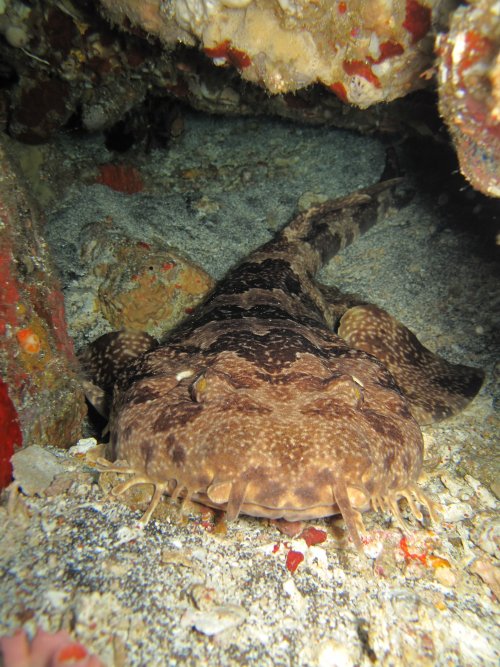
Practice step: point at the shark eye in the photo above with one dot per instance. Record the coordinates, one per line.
(198, 388)
(358, 381)
(346, 388)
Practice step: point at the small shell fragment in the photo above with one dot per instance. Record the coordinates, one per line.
(205, 598)
(485, 496)
(216, 620)
(455, 512)
(489, 573)
(331, 653)
(487, 535)
(83, 446)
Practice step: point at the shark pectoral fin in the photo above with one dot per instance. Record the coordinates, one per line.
(435, 388)
(97, 397)
(105, 359)
(335, 302)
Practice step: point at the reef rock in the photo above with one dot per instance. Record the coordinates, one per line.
(148, 288)
(469, 91)
(365, 52)
(40, 397)
(123, 66)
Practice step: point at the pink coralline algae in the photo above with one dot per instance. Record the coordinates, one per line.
(45, 650)
(469, 91)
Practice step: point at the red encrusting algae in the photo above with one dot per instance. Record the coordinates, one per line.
(11, 434)
(120, 177)
(403, 545)
(388, 49)
(293, 560)
(340, 91)
(312, 536)
(417, 20)
(361, 68)
(235, 57)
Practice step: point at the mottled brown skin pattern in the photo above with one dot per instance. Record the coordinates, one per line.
(256, 406)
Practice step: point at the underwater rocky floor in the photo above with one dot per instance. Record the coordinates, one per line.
(190, 589)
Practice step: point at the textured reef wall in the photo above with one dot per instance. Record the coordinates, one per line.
(40, 398)
(65, 62)
(469, 91)
(365, 52)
